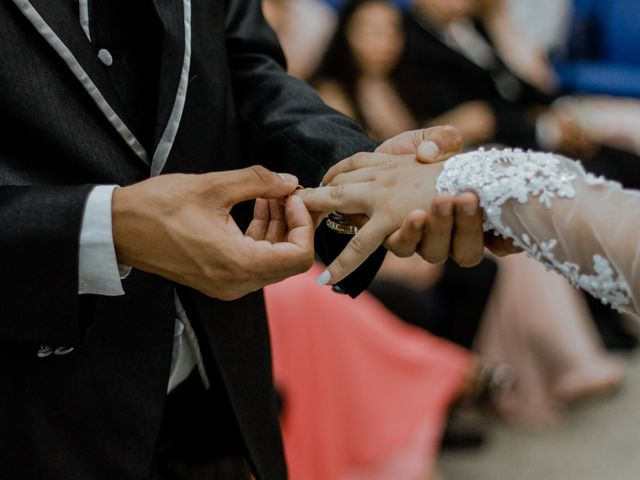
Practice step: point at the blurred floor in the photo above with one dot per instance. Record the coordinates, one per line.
(597, 440)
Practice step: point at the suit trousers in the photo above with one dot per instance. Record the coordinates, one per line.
(189, 444)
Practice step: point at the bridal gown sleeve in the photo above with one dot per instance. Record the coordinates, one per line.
(583, 227)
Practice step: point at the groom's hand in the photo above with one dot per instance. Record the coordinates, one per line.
(450, 226)
(180, 227)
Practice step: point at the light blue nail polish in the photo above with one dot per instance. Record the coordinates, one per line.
(324, 278)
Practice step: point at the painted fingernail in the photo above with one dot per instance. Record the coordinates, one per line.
(287, 177)
(417, 224)
(324, 278)
(428, 149)
(469, 209)
(444, 209)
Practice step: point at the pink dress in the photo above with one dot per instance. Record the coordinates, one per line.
(366, 395)
(538, 323)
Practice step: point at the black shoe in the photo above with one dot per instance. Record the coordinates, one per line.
(614, 334)
(457, 437)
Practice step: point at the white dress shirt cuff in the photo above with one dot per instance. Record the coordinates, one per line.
(99, 272)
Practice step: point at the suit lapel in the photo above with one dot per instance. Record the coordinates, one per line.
(57, 24)
(175, 16)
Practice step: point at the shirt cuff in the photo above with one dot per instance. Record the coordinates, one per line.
(98, 271)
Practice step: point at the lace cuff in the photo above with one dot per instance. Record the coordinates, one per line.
(543, 202)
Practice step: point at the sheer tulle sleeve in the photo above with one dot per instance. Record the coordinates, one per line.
(583, 227)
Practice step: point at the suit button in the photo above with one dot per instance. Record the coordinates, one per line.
(178, 328)
(105, 57)
(44, 351)
(60, 351)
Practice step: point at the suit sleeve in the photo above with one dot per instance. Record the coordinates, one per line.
(290, 128)
(39, 245)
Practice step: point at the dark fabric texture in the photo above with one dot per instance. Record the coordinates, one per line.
(443, 310)
(449, 79)
(96, 413)
(186, 439)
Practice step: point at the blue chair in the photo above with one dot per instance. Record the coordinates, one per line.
(621, 30)
(603, 52)
(403, 4)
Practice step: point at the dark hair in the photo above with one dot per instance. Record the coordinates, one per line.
(339, 65)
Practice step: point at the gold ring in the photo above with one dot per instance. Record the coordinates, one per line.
(338, 223)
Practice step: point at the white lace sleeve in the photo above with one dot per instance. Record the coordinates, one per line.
(585, 228)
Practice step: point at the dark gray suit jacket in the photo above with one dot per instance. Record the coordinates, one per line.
(224, 102)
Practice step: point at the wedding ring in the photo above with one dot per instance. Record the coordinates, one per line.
(338, 223)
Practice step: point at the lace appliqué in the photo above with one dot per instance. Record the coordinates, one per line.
(497, 176)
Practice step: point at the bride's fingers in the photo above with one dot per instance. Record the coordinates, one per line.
(345, 199)
(436, 245)
(468, 241)
(356, 176)
(359, 161)
(363, 244)
(404, 242)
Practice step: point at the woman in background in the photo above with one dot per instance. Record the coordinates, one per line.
(533, 316)
(304, 28)
(365, 396)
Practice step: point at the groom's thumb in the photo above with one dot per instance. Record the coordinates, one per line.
(235, 186)
(430, 145)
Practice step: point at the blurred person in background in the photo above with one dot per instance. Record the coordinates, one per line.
(527, 33)
(466, 83)
(304, 28)
(524, 32)
(543, 23)
(363, 75)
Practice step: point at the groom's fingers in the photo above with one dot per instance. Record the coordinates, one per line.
(261, 218)
(404, 242)
(447, 140)
(436, 143)
(300, 224)
(277, 229)
(436, 244)
(468, 240)
(500, 246)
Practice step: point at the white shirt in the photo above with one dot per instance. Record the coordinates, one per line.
(100, 274)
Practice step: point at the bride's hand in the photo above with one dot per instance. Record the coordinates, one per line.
(388, 189)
